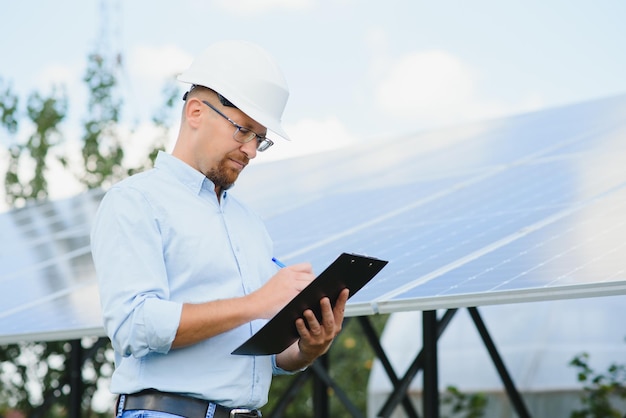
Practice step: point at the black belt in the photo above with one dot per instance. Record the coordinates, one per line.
(186, 406)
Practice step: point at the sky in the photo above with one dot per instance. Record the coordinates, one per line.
(357, 70)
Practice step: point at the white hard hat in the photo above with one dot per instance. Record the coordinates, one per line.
(247, 76)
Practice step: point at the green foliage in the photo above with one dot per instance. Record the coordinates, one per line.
(462, 405)
(599, 388)
(8, 108)
(46, 113)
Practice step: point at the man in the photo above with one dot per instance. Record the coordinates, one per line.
(185, 270)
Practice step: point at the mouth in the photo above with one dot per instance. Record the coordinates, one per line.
(239, 165)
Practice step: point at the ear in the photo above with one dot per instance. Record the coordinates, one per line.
(194, 112)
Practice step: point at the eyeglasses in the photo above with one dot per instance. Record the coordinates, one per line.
(244, 135)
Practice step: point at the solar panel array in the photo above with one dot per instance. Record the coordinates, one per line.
(517, 209)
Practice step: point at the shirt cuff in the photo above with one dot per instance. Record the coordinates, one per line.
(277, 371)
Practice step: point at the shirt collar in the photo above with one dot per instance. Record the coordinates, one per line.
(183, 172)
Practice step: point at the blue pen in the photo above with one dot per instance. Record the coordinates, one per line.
(278, 262)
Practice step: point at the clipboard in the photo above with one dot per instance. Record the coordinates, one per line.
(350, 271)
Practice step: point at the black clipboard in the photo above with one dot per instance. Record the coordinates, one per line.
(350, 271)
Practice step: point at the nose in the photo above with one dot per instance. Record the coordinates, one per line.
(249, 148)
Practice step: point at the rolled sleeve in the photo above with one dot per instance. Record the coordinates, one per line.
(154, 327)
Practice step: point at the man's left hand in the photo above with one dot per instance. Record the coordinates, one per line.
(315, 336)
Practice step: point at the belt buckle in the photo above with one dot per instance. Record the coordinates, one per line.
(249, 412)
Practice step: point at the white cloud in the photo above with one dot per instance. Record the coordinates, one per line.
(260, 6)
(57, 75)
(309, 136)
(429, 85)
(376, 40)
(148, 70)
(158, 63)
(436, 88)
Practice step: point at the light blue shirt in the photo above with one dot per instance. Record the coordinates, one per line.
(160, 239)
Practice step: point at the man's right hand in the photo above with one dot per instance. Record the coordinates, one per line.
(204, 320)
(282, 288)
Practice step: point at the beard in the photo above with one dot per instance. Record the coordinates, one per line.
(224, 176)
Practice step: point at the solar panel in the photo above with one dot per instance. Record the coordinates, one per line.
(47, 281)
(523, 209)
(517, 209)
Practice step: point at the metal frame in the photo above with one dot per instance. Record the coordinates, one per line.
(426, 360)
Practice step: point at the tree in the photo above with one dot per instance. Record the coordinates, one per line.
(46, 113)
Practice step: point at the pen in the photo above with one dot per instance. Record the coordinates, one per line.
(278, 262)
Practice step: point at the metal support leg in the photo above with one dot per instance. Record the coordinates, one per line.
(431, 379)
(321, 408)
(374, 341)
(511, 390)
(75, 379)
(403, 386)
(322, 373)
